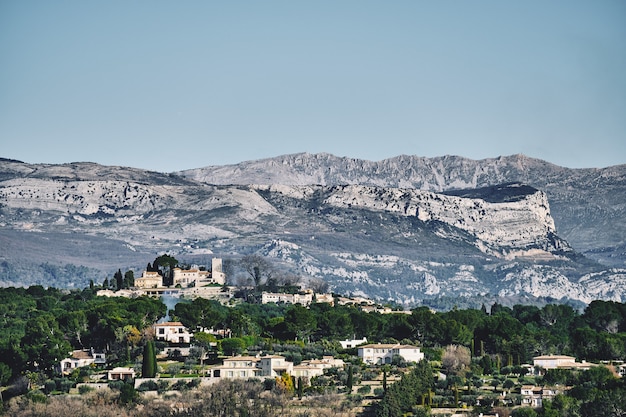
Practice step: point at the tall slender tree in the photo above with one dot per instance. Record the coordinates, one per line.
(149, 365)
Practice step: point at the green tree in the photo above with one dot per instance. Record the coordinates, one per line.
(200, 314)
(301, 322)
(232, 346)
(149, 364)
(128, 394)
(119, 279)
(44, 343)
(165, 264)
(350, 380)
(524, 412)
(129, 279)
(300, 387)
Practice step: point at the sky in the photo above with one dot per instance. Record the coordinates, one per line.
(168, 86)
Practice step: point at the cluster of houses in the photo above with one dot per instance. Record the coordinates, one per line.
(192, 283)
(534, 396)
(189, 283)
(177, 336)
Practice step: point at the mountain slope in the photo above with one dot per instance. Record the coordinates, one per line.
(588, 205)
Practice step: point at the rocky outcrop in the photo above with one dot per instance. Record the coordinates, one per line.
(588, 205)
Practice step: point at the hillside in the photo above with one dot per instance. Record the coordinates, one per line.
(588, 205)
(64, 224)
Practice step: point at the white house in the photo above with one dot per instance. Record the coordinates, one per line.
(380, 354)
(238, 367)
(172, 332)
(275, 365)
(80, 358)
(189, 277)
(253, 366)
(121, 374)
(271, 297)
(533, 396)
(348, 344)
(315, 367)
(560, 361)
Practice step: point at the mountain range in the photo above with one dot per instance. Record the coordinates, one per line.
(408, 229)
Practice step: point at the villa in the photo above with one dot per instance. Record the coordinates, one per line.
(379, 354)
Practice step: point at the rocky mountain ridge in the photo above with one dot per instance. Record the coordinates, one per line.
(390, 243)
(588, 205)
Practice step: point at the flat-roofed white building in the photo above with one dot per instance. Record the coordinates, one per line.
(379, 354)
(121, 373)
(348, 344)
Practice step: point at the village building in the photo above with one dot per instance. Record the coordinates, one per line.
(533, 396)
(238, 367)
(189, 277)
(324, 298)
(149, 279)
(272, 366)
(541, 363)
(349, 344)
(379, 354)
(304, 299)
(121, 373)
(80, 358)
(315, 367)
(172, 332)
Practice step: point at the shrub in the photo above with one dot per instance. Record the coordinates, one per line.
(84, 389)
(364, 390)
(147, 386)
(49, 386)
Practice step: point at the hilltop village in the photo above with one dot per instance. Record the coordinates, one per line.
(291, 349)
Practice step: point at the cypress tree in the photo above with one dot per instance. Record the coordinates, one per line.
(300, 387)
(384, 380)
(350, 380)
(149, 366)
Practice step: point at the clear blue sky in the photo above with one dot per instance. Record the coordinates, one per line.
(169, 85)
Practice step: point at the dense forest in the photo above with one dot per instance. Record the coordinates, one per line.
(39, 327)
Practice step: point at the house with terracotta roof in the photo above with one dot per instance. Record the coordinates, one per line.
(80, 358)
